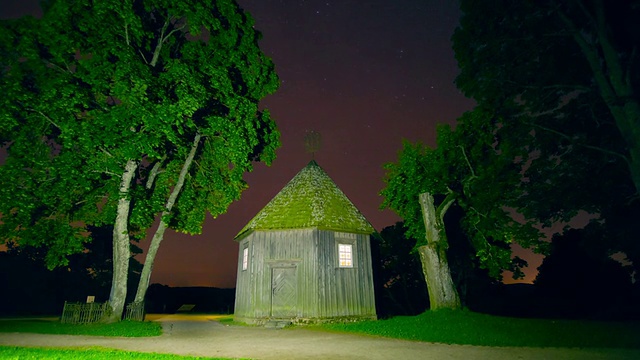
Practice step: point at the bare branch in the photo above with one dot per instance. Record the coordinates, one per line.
(549, 87)
(464, 154)
(156, 52)
(478, 212)
(58, 67)
(105, 151)
(126, 33)
(45, 116)
(445, 205)
(143, 58)
(173, 31)
(155, 171)
(106, 172)
(610, 54)
(586, 12)
(567, 137)
(591, 54)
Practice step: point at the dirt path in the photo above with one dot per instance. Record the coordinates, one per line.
(203, 336)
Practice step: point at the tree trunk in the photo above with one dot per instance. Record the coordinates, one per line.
(433, 255)
(121, 246)
(145, 276)
(614, 82)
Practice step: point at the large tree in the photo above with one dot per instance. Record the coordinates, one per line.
(118, 111)
(564, 77)
(471, 170)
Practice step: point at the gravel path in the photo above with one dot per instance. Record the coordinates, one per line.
(203, 336)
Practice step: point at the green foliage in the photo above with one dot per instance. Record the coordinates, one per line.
(568, 104)
(14, 352)
(122, 328)
(469, 328)
(401, 288)
(471, 166)
(86, 273)
(90, 86)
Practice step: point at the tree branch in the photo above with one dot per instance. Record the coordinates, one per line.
(60, 68)
(126, 33)
(445, 205)
(591, 54)
(611, 57)
(548, 87)
(464, 154)
(183, 173)
(45, 116)
(567, 137)
(143, 58)
(154, 172)
(173, 31)
(156, 52)
(105, 151)
(106, 172)
(586, 12)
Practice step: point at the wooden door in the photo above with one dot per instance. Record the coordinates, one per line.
(284, 294)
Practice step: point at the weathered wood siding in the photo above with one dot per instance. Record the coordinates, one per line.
(345, 292)
(268, 250)
(323, 290)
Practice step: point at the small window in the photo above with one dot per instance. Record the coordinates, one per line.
(345, 255)
(245, 258)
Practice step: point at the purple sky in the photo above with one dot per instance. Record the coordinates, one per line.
(365, 74)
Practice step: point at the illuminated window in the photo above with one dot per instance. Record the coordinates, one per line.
(245, 258)
(345, 255)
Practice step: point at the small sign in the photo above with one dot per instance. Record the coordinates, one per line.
(90, 299)
(186, 308)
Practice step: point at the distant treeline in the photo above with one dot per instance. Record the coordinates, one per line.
(165, 299)
(572, 282)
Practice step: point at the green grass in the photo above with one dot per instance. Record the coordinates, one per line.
(123, 328)
(90, 353)
(466, 327)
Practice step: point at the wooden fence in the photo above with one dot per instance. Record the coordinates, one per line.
(87, 313)
(135, 311)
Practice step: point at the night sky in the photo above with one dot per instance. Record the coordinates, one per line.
(365, 75)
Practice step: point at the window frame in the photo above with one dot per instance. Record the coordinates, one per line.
(245, 258)
(348, 259)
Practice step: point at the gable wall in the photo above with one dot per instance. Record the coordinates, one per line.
(269, 249)
(345, 292)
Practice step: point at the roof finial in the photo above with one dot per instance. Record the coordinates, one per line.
(312, 142)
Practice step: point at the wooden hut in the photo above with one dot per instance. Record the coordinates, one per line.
(305, 257)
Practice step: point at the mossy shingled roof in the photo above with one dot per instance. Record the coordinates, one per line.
(310, 200)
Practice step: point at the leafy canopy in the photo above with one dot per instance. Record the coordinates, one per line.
(470, 167)
(91, 86)
(564, 77)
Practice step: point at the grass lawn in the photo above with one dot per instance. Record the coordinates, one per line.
(14, 352)
(123, 328)
(442, 326)
(466, 327)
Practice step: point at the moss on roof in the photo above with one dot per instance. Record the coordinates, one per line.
(310, 200)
